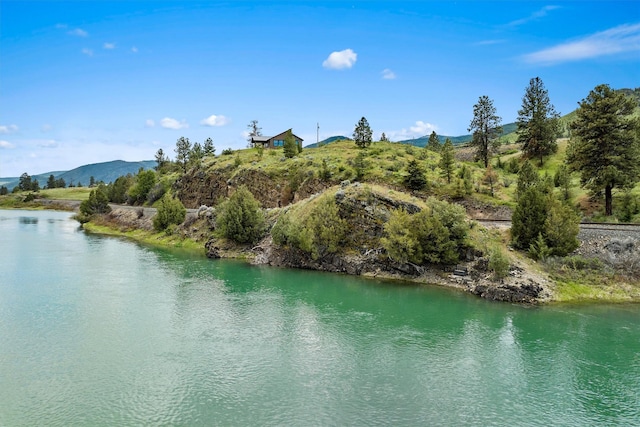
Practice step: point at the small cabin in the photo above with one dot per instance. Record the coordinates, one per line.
(274, 141)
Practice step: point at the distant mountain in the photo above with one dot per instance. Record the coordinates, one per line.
(328, 141)
(106, 172)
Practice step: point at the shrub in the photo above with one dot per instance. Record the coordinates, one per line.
(561, 229)
(171, 211)
(498, 262)
(240, 217)
(227, 152)
(97, 203)
(436, 234)
(145, 180)
(319, 232)
(325, 173)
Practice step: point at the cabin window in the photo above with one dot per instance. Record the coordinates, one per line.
(278, 143)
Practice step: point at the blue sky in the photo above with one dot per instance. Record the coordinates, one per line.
(85, 81)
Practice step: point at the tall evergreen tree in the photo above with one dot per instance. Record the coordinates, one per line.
(290, 147)
(196, 154)
(51, 182)
(209, 149)
(434, 142)
(538, 122)
(161, 159)
(447, 160)
(183, 149)
(486, 129)
(362, 133)
(605, 148)
(384, 138)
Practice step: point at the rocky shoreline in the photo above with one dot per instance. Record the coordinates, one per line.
(524, 284)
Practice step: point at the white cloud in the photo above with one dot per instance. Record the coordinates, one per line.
(169, 123)
(46, 127)
(8, 128)
(87, 51)
(214, 120)
(339, 60)
(78, 32)
(109, 46)
(422, 128)
(149, 123)
(387, 74)
(620, 39)
(419, 129)
(6, 144)
(134, 49)
(535, 15)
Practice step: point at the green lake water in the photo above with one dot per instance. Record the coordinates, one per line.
(102, 331)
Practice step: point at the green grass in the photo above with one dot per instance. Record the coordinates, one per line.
(150, 238)
(73, 193)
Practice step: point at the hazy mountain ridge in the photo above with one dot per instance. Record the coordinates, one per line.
(106, 172)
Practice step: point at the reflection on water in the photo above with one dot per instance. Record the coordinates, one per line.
(99, 331)
(28, 220)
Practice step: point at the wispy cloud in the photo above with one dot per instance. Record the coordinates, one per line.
(149, 123)
(6, 144)
(169, 123)
(109, 46)
(8, 128)
(134, 49)
(340, 60)
(87, 51)
(420, 128)
(47, 143)
(489, 42)
(387, 74)
(214, 120)
(533, 17)
(620, 39)
(46, 127)
(78, 32)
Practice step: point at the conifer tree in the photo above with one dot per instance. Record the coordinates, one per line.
(434, 142)
(183, 148)
(290, 147)
(538, 124)
(415, 180)
(362, 133)
(486, 129)
(447, 160)
(209, 149)
(605, 148)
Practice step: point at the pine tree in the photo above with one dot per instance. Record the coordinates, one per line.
(384, 138)
(538, 122)
(51, 182)
(209, 149)
(447, 160)
(183, 148)
(605, 148)
(415, 180)
(434, 142)
(362, 133)
(290, 147)
(527, 177)
(486, 129)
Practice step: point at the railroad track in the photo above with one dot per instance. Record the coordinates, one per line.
(630, 227)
